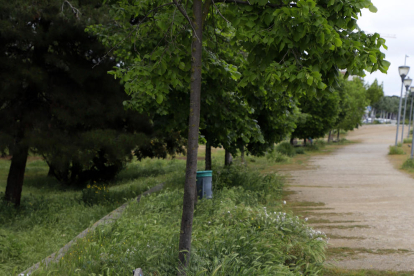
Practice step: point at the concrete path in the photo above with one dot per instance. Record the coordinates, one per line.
(368, 206)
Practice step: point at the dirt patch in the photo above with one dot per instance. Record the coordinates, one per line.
(359, 184)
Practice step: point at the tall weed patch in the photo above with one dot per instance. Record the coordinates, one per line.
(286, 148)
(235, 233)
(395, 150)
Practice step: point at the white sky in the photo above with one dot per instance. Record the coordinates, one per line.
(394, 17)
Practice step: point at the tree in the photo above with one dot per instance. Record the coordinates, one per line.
(285, 42)
(319, 116)
(352, 104)
(375, 92)
(55, 104)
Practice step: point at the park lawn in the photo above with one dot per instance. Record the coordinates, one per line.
(52, 214)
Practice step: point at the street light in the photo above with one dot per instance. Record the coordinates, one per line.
(407, 83)
(403, 71)
(411, 110)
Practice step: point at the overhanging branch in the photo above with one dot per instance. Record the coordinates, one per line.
(247, 3)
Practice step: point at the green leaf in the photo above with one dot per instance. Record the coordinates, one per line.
(373, 59)
(373, 9)
(331, 2)
(262, 2)
(310, 81)
(159, 98)
(182, 65)
(338, 42)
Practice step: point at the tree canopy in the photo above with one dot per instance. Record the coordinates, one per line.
(55, 104)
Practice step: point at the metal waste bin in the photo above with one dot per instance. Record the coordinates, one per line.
(205, 184)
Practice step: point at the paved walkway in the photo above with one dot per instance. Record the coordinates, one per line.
(368, 205)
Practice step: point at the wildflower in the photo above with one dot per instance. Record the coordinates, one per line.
(306, 219)
(284, 201)
(228, 212)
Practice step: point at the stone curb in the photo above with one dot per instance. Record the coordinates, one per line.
(111, 217)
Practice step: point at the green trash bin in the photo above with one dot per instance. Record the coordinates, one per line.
(205, 184)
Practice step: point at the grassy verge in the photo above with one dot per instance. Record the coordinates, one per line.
(52, 214)
(400, 158)
(242, 230)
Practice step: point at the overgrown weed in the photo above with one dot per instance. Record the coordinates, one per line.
(240, 231)
(395, 150)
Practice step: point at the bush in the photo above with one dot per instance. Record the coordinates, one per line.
(300, 150)
(395, 150)
(407, 140)
(286, 148)
(399, 144)
(320, 142)
(277, 157)
(408, 164)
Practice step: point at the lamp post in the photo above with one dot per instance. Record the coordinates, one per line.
(407, 83)
(411, 110)
(403, 71)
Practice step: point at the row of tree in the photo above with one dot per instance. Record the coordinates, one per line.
(260, 70)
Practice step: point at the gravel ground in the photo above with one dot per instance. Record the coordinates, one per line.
(369, 205)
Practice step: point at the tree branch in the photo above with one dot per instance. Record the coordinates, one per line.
(74, 10)
(205, 10)
(184, 13)
(247, 3)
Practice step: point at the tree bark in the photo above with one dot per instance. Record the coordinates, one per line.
(208, 157)
(242, 155)
(192, 146)
(330, 136)
(291, 140)
(227, 158)
(304, 141)
(337, 136)
(16, 174)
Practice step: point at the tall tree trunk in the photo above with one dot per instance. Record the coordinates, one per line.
(330, 136)
(337, 135)
(192, 146)
(227, 158)
(291, 140)
(242, 155)
(208, 157)
(304, 142)
(16, 174)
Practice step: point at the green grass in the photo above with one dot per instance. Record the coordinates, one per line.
(408, 164)
(241, 231)
(286, 148)
(51, 214)
(407, 140)
(395, 150)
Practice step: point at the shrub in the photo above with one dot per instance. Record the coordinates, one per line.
(319, 142)
(408, 164)
(395, 150)
(286, 148)
(407, 140)
(399, 144)
(277, 157)
(300, 150)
